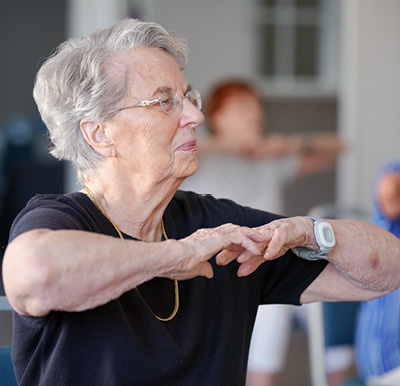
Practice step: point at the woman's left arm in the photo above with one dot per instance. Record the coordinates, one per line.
(364, 264)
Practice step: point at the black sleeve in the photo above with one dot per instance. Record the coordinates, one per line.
(288, 279)
(74, 211)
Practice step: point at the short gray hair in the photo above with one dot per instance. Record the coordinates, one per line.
(83, 79)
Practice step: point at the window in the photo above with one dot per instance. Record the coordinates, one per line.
(296, 44)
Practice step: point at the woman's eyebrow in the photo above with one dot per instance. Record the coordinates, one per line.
(162, 90)
(165, 89)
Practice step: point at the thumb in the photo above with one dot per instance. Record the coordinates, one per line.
(206, 270)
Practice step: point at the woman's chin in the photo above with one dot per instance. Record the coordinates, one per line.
(190, 170)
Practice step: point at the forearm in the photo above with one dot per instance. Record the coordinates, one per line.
(72, 270)
(326, 142)
(366, 255)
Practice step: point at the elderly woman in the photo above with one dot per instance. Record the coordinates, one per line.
(98, 299)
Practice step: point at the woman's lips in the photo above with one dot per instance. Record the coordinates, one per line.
(188, 146)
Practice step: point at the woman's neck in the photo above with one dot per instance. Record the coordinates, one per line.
(135, 212)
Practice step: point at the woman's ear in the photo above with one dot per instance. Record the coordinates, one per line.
(96, 136)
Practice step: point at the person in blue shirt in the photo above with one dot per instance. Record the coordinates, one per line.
(378, 325)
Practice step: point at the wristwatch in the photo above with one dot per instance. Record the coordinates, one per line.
(325, 238)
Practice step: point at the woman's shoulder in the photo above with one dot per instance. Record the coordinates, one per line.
(67, 203)
(50, 199)
(56, 211)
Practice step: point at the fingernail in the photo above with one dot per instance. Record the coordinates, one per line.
(242, 272)
(221, 260)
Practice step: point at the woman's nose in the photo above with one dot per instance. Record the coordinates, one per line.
(191, 114)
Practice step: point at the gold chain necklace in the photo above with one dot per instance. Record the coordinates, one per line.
(176, 288)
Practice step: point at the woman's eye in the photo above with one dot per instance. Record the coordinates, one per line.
(167, 102)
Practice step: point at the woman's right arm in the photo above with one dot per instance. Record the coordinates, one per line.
(70, 270)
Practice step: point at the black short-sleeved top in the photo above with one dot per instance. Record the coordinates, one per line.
(122, 342)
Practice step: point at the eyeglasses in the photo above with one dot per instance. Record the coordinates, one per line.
(169, 101)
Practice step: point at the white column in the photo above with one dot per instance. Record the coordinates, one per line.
(84, 17)
(369, 94)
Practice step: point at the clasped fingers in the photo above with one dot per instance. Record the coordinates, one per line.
(284, 234)
(229, 237)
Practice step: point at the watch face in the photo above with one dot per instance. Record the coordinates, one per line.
(326, 236)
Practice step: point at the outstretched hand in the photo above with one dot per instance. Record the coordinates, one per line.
(279, 236)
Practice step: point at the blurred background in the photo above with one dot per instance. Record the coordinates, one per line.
(322, 65)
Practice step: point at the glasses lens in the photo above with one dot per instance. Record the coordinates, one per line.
(169, 101)
(194, 97)
(172, 101)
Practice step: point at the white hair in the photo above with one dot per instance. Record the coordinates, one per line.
(83, 79)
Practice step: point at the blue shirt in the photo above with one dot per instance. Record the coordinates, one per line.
(378, 335)
(378, 324)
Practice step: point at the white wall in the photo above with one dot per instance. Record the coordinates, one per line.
(220, 34)
(85, 16)
(369, 97)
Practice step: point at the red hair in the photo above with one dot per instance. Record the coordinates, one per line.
(225, 90)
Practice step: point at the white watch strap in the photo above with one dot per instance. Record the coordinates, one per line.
(324, 245)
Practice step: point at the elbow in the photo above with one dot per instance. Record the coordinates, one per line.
(26, 274)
